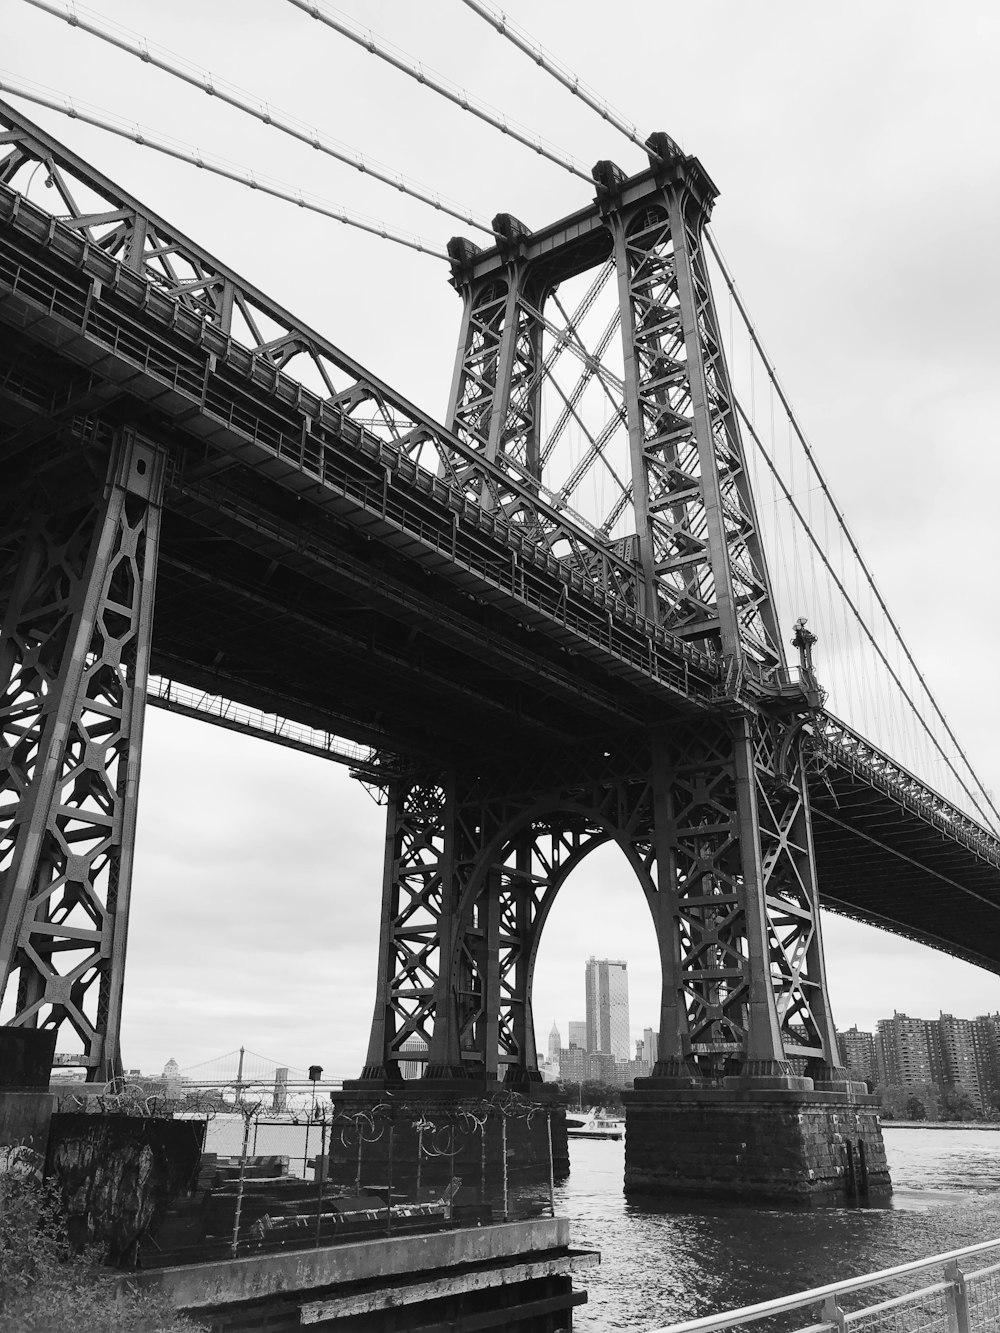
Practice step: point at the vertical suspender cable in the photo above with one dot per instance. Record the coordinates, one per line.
(772, 375)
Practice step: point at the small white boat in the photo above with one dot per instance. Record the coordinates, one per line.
(597, 1124)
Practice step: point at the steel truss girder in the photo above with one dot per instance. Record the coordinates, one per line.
(714, 821)
(74, 657)
(700, 568)
(119, 244)
(247, 415)
(835, 744)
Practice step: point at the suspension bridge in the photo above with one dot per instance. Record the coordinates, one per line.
(559, 619)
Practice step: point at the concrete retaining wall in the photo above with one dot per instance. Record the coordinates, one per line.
(201, 1286)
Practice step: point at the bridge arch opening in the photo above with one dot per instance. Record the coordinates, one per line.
(508, 898)
(600, 912)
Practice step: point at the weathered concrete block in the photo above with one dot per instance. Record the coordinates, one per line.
(26, 1056)
(119, 1173)
(25, 1104)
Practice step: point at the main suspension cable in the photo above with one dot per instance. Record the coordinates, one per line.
(134, 44)
(859, 615)
(186, 153)
(437, 83)
(571, 82)
(524, 42)
(842, 522)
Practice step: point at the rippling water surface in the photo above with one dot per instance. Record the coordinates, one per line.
(663, 1264)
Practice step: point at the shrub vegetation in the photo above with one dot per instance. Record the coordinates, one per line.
(46, 1288)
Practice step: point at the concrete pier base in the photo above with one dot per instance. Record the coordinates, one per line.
(768, 1139)
(426, 1133)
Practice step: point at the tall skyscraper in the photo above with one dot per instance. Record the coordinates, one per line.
(607, 1007)
(555, 1042)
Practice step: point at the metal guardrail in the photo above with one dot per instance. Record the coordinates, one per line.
(176, 697)
(963, 1300)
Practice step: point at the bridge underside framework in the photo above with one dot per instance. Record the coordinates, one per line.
(178, 507)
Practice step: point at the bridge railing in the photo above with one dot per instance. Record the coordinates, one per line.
(961, 1298)
(839, 743)
(176, 697)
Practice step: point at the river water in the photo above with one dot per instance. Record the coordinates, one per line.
(663, 1264)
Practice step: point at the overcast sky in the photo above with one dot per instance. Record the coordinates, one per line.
(855, 148)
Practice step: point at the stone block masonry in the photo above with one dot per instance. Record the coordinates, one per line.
(796, 1145)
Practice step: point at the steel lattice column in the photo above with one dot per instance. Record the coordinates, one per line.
(74, 656)
(494, 403)
(695, 517)
(417, 911)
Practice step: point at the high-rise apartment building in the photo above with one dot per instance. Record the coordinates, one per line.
(607, 1007)
(986, 1040)
(905, 1051)
(857, 1050)
(958, 1052)
(577, 1035)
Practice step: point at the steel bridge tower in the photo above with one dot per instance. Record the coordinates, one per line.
(711, 810)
